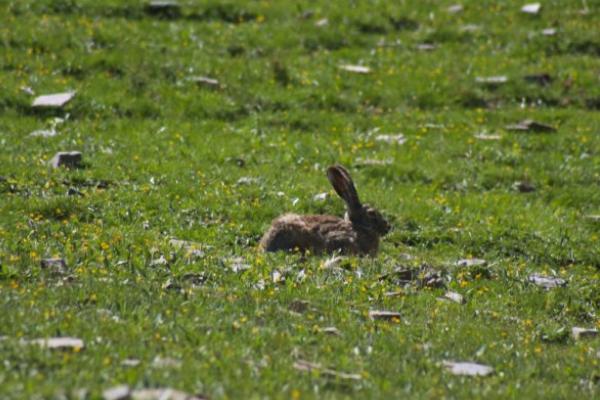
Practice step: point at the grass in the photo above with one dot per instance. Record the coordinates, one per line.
(164, 157)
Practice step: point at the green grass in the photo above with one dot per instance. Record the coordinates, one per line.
(163, 157)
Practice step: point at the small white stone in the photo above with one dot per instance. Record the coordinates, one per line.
(204, 81)
(121, 392)
(333, 262)
(55, 100)
(322, 22)
(44, 133)
(321, 196)
(583, 333)
(492, 80)
(331, 330)
(237, 264)
(130, 362)
(158, 262)
(247, 180)
(277, 277)
(391, 139)
(384, 315)
(484, 136)
(453, 296)
(165, 362)
(471, 262)
(546, 282)
(533, 8)
(468, 368)
(454, 9)
(59, 343)
(357, 69)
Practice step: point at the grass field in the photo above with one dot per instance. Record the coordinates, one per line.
(168, 156)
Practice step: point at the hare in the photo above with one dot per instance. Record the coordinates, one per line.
(357, 233)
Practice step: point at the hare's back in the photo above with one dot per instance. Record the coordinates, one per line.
(316, 233)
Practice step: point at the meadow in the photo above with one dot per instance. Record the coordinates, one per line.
(200, 123)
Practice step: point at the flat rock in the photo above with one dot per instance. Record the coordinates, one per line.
(424, 276)
(322, 22)
(492, 80)
(384, 315)
(357, 69)
(247, 180)
(191, 249)
(546, 282)
(238, 264)
(54, 265)
(485, 136)
(204, 81)
(529, 125)
(471, 262)
(321, 196)
(453, 296)
(372, 162)
(164, 394)
(334, 262)
(166, 362)
(468, 368)
(58, 343)
(130, 362)
(121, 392)
(159, 262)
(533, 8)
(277, 277)
(578, 333)
(56, 100)
(455, 8)
(332, 330)
(549, 32)
(67, 159)
(524, 187)
(426, 47)
(391, 139)
(470, 28)
(44, 133)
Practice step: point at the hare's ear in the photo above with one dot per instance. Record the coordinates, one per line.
(343, 185)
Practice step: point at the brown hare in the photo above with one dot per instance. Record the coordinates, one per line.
(357, 233)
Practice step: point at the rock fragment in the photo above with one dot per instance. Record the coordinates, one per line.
(471, 262)
(533, 8)
(467, 368)
(529, 125)
(58, 343)
(391, 139)
(357, 69)
(121, 392)
(453, 296)
(67, 159)
(492, 80)
(56, 100)
(384, 315)
(54, 265)
(546, 282)
(578, 333)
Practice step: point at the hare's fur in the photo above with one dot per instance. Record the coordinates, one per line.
(358, 233)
